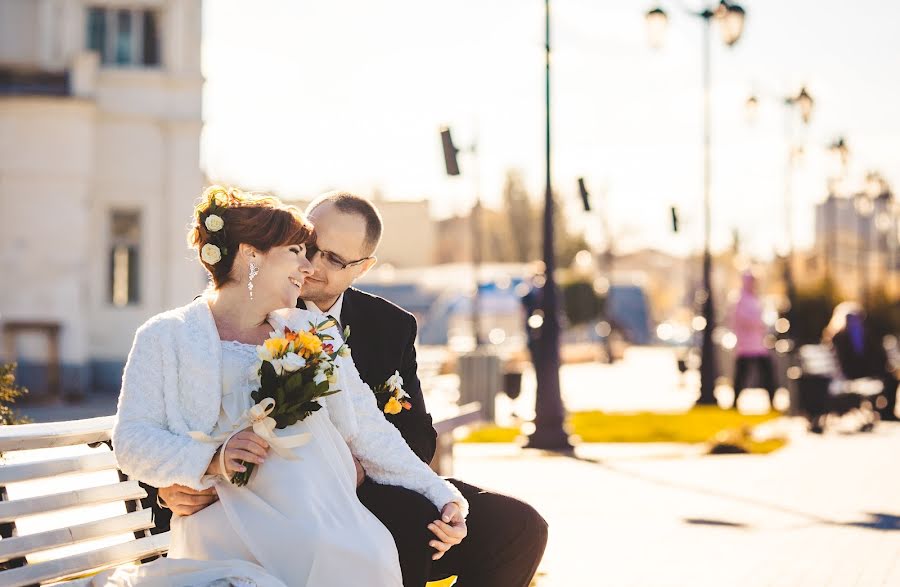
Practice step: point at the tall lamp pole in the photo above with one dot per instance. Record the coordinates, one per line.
(730, 18)
(549, 433)
(803, 104)
(452, 165)
(865, 206)
(841, 153)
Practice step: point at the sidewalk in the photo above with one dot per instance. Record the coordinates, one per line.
(825, 511)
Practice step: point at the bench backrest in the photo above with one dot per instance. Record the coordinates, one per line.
(65, 508)
(76, 474)
(817, 359)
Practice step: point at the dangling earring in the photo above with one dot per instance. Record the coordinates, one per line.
(253, 272)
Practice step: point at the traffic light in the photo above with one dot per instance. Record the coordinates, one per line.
(449, 152)
(585, 196)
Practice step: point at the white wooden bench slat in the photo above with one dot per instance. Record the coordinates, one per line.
(79, 564)
(99, 461)
(52, 434)
(18, 546)
(60, 434)
(469, 413)
(12, 510)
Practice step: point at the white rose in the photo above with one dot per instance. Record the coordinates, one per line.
(279, 365)
(263, 353)
(344, 352)
(320, 378)
(332, 378)
(395, 381)
(293, 362)
(214, 223)
(211, 254)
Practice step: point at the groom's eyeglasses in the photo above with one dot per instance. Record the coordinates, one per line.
(332, 260)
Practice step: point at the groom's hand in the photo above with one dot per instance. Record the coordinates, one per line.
(450, 530)
(185, 501)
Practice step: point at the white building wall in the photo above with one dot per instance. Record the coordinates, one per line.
(127, 139)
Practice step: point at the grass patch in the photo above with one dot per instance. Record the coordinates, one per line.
(700, 424)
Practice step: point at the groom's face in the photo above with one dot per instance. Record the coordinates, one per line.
(343, 235)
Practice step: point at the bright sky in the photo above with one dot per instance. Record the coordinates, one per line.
(305, 96)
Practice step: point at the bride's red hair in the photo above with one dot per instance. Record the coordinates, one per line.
(259, 220)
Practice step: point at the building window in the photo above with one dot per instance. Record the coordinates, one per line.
(127, 37)
(124, 258)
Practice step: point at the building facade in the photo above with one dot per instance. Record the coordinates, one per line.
(856, 246)
(100, 120)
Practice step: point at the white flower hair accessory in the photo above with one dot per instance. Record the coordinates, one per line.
(210, 254)
(214, 223)
(210, 214)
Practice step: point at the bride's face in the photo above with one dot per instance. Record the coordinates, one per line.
(282, 272)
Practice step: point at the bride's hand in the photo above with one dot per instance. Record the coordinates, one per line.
(247, 446)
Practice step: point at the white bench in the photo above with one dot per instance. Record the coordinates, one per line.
(818, 360)
(23, 560)
(131, 525)
(825, 392)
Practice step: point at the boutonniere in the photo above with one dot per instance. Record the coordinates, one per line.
(390, 395)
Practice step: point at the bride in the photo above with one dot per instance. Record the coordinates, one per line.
(189, 376)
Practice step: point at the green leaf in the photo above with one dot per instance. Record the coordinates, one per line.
(309, 391)
(294, 382)
(268, 379)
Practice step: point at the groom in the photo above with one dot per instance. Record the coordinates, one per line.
(504, 538)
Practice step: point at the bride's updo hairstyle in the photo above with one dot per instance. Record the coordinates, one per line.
(227, 217)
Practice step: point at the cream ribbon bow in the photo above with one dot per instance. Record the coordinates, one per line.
(263, 425)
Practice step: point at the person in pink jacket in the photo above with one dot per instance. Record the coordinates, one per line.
(751, 352)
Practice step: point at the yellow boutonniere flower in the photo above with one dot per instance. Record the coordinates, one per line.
(393, 406)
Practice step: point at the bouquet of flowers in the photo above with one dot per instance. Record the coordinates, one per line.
(296, 369)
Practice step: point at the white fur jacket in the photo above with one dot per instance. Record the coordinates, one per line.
(173, 384)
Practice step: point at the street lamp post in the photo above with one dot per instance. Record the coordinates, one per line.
(802, 104)
(549, 433)
(864, 208)
(839, 150)
(730, 18)
(452, 165)
(883, 220)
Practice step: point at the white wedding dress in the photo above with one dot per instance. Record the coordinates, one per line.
(298, 522)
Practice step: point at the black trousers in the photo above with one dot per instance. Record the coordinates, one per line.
(505, 542)
(763, 366)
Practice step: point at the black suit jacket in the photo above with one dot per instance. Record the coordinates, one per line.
(382, 337)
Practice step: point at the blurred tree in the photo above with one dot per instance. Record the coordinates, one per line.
(884, 313)
(523, 220)
(9, 392)
(580, 301)
(811, 312)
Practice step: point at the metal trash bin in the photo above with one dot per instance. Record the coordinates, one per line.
(480, 380)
